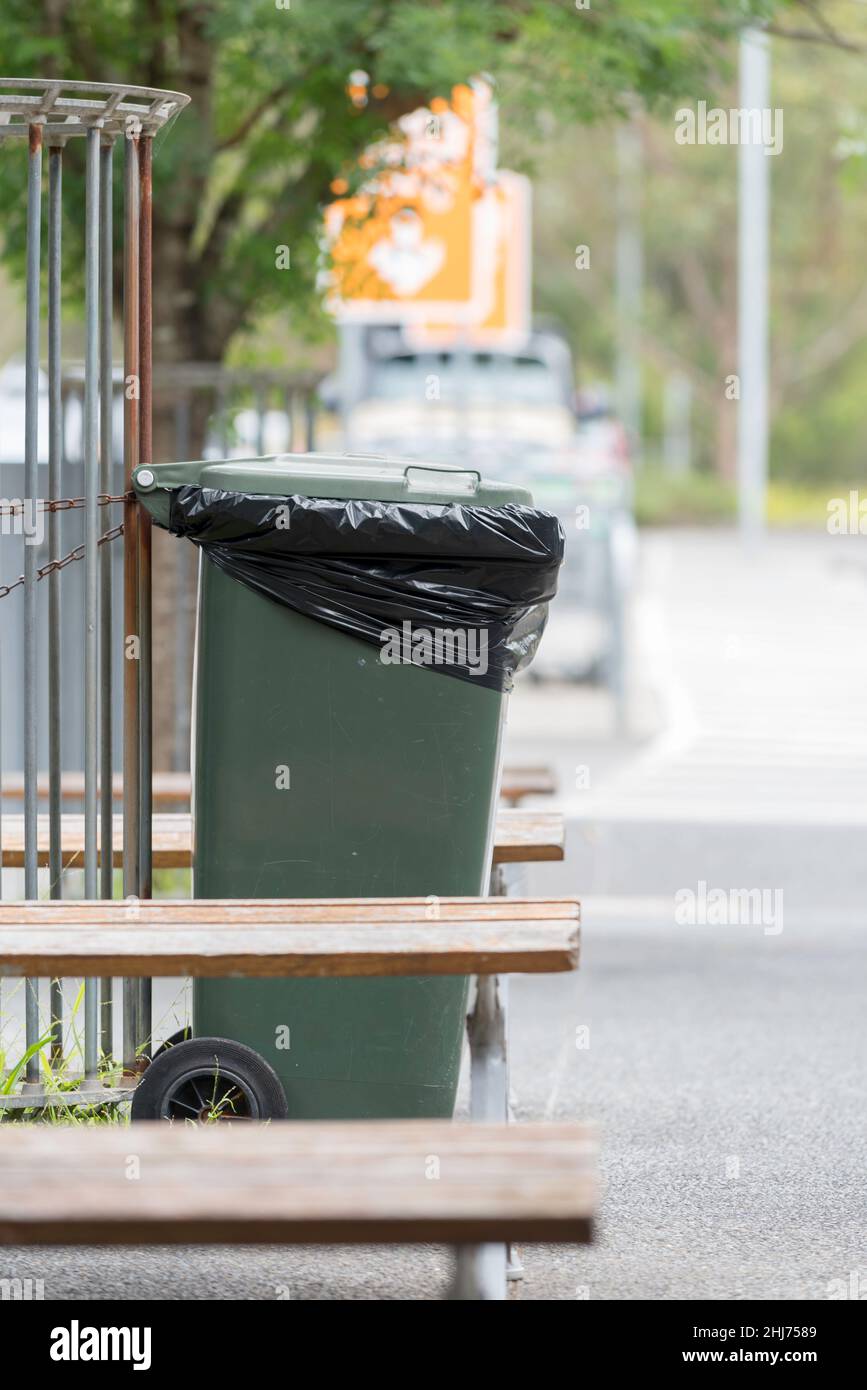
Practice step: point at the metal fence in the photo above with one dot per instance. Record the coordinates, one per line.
(244, 410)
(44, 116)
(217, 412)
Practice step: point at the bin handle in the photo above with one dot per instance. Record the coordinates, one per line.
(449, 472)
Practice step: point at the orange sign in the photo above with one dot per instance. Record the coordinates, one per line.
(502, 261)
(435, 237)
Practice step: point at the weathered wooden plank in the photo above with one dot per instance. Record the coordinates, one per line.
(169, 788)
(282, 911)
(323, 950)
(529, 837)
(173, 788)
(297, 937)
(521, 837)
(171, 832)
(298, 1182)
(518, 782)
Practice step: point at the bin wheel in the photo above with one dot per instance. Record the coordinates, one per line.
(203, 1080)
(182, 1035)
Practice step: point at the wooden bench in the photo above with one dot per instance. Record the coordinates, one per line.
(296, 1183)
(173, 788)
(335, 937)
(521, 837)
(301, 1182)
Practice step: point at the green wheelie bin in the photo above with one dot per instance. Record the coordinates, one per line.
(323, 770)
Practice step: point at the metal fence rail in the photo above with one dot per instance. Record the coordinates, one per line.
(226, 397)
(47, 115)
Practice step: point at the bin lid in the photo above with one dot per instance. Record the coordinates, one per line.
(362, 477)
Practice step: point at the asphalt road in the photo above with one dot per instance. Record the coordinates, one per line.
(725, 1066)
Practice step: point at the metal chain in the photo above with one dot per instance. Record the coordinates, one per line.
(66, 504)
(77, 554)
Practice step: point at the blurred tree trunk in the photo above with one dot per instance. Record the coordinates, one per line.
(726, 438)
(181, 334)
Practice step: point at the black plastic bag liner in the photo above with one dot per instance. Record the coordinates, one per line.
(461, 589)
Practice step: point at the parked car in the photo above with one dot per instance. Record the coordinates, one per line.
(514, 415)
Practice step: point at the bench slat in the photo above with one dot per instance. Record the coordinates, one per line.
(266, 940)
(521, 837)
(283, 911)
(168, 787)
(529, 837)
(173, 788)
(337, 1182)
(518, 782)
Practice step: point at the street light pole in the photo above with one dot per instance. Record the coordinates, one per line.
(629, 275)
(753, 261)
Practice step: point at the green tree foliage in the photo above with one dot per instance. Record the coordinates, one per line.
(818, 233)
(249, 165)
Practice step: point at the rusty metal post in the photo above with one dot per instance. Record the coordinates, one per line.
(131, 617)
(186, 587)
(106, 636)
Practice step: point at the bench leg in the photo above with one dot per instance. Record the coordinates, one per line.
(489, 1067)
(480, 1270)
(480, 1274)
(505, 879)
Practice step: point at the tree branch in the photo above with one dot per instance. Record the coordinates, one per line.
(830, 38)
(272, 99)
(814, 10)
(297, 198)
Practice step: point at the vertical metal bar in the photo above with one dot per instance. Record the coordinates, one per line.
(2, 808)
(223, 418)
(352, 374)
(185, 590)
(55, 452)
(144, 555)
(310, 420)
(131, 626)
(629, 262)
(31, 488)
(676, 424)
(754, 193)
(292, 440)
(481, 1270)
(2, 674)
(261, 408)
(106, 644)
(91, 570)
